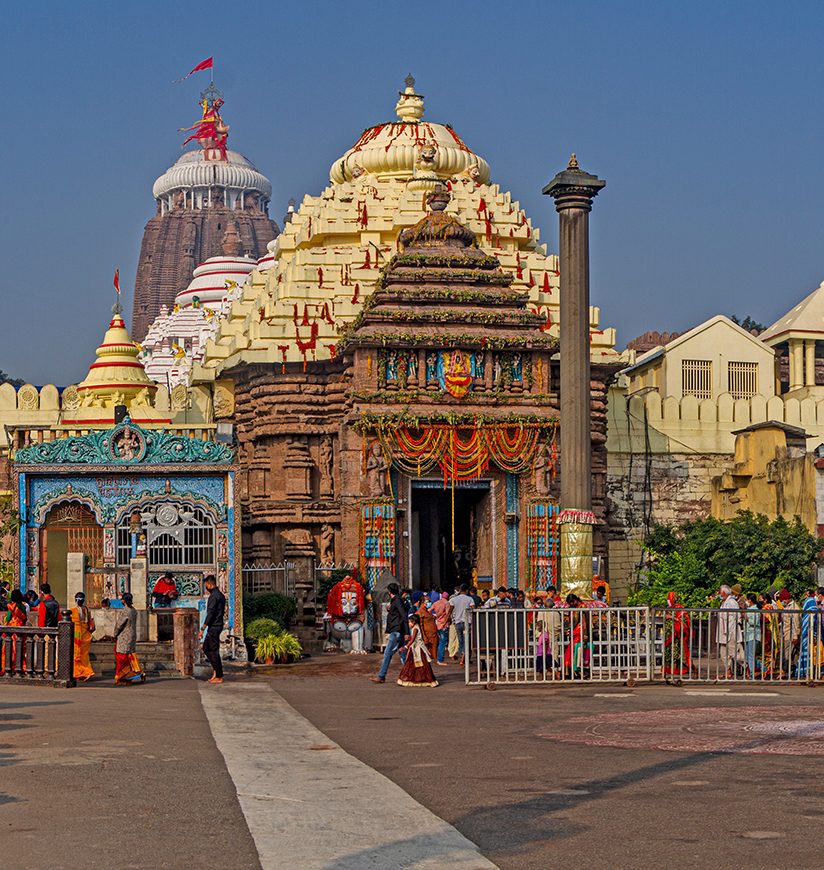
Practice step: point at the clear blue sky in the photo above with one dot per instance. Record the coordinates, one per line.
(705, 119)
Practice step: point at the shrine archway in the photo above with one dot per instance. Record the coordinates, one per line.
(69, 527)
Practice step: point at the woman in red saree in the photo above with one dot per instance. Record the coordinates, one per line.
(677, 639)
(15, 615)
(577, 652)
(417, 670)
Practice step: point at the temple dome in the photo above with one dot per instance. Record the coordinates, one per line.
(213, 278)
(116, 374)
(410, 148)
(192, 170)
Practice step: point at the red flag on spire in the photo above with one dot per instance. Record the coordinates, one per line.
(117, 281)
(204, 64)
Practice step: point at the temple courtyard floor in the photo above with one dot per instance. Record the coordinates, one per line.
(312, 766)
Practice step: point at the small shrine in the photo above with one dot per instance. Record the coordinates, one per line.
(111, 511)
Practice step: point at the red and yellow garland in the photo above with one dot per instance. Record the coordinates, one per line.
(462, 453)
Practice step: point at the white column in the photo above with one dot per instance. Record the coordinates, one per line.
(809, 363)
(796, 363)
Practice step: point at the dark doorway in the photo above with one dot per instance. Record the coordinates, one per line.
(434, 563)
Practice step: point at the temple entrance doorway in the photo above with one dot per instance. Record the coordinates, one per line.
(433, 562)
(69, 528)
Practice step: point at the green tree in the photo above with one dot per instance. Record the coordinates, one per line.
(748, 323)
(694, 559)
(8, 379)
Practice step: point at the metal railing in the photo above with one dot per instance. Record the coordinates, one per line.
(262, 577)
(634, 644)
(42, 656)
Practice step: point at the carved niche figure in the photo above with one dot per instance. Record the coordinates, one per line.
(540, 470)
(250, 202)
(426, 157)
(327, 479)
(392, 366)
(177, 199)
(218, 200)
(376, 469)
(478, 363)
(412, 367)
(517, 366)
(327, 545)
(127, 444)
(431, 367)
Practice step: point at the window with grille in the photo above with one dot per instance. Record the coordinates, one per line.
(190, 543)
(742, 379)
(696, 378)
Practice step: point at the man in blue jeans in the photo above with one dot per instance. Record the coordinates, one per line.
(397, 630)
(461, 602)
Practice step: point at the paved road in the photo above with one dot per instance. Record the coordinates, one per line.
(115, 777)
(491, 764)
(312, 806)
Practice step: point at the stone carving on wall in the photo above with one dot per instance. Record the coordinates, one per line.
(325, 466)
(224, 401)
(376, 470)
(128, 444)
(541, 470)
(70, 399)
(180, 398)
(28, 398)
(327, 545)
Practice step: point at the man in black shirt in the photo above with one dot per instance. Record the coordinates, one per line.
(213, 626)
(397, 630)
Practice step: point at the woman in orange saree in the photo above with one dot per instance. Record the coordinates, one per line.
(770, 643)
(15, 616)
(83, 631)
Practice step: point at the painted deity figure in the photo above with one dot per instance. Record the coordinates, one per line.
(412, 366)
(376, 470)
(478, 363)
(128, 445)
(431, 367)
(346, 606)
(392, 365)
(517, 366)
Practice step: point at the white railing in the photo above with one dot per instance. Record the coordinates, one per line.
(633, 644)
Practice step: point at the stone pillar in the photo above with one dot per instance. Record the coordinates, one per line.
(573, 191)
(75, 576)
(138, 579)
(186, 621)
(809, 362)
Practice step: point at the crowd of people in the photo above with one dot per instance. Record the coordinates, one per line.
(426, 627)
(767, 635)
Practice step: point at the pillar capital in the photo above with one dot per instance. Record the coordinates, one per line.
(574, 188)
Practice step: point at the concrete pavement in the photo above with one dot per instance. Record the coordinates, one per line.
(115, 777)
(312, 806)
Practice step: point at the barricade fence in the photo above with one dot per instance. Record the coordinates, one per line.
(42, 656)
(634, 644)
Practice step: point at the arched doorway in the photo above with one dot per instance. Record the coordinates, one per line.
(70, 527)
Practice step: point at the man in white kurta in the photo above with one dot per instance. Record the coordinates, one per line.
(728, 634)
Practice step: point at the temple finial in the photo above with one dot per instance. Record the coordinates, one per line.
(409, 81)
(573, 162)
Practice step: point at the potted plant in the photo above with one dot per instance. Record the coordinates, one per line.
(257, 629)
(267, 648)
(287, 647)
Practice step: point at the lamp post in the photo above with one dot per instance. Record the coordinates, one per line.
(573, 191)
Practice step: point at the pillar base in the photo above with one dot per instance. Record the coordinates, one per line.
(576, 552)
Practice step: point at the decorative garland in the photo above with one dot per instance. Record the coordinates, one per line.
(369, 422)
(463, 452)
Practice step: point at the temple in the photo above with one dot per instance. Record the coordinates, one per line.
(428, 443)
(197, 198)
